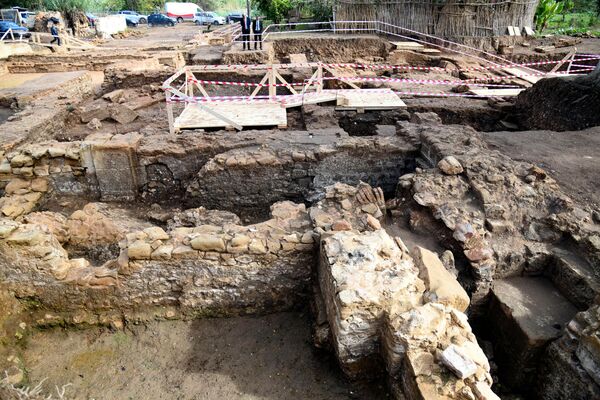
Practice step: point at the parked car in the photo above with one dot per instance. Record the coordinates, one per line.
(26, 16)
(160, 19)
(233, 17)
(182, 11)
(204, 18)
(18, 31)
(134, 16)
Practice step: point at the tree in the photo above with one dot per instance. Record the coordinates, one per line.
(275, 10)
(316, 10)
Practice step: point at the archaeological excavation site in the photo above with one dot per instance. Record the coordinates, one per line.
(358, 210)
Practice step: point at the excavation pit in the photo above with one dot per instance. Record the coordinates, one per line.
(385, 238)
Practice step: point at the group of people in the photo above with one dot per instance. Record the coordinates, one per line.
(257, 28)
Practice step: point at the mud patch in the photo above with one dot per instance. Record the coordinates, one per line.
(5, 113)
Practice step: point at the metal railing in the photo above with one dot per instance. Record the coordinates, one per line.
(377, 28)
(15, 36)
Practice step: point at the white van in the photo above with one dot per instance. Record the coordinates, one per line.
(182, 11)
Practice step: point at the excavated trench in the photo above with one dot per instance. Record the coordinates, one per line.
(156, 332)
(230, 177)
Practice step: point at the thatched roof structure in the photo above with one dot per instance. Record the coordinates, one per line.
(460, 20)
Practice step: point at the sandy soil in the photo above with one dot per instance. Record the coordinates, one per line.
(570, 157)
(237, 358)
(157, 36)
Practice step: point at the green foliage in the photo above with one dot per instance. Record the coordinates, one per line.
(578, 31)
(68, 6)
(315, 10)
(546, 10)
(143, 6)
(275, 10)
(578, 21)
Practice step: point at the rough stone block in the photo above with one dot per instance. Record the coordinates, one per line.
(525, 315)
(438, 280)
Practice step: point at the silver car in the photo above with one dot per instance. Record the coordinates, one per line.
(205, 18)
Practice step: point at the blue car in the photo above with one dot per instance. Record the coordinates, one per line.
(17, 30)
(160, 19)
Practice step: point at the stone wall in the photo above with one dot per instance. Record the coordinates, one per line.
(32, 171)
(205, 270)
(299, 171)
(505, 217)
(192, 167)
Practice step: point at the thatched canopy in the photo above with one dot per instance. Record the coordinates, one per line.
(450, 19)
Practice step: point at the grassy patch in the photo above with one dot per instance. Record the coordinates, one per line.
(574, 21)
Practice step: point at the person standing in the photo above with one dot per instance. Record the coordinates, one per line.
(245, 23)
(257, 28)
(54, 33)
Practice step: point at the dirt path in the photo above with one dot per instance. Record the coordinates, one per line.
(159, 36)
(232, 358)
(570, 157)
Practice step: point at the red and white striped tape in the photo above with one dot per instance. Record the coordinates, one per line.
(287, 98)
(471, 82)
(475, 68)
(231, 83)
(347, 79)
(390, 66)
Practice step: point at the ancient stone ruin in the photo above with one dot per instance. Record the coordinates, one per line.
(421, 251)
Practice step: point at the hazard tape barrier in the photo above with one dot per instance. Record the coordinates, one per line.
(346, 79)
(387, 66)
(470, 82)
(294, 97)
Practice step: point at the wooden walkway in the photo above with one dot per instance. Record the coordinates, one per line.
(201, 110)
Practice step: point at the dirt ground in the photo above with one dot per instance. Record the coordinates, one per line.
(267, 357)
(157, 36)
(570, 157)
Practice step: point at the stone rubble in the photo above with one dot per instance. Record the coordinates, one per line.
(498, 210)
(378, 303)
(377, 309)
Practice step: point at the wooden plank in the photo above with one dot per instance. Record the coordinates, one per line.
(311, 98)
(368, 99)
(337, 73)
(243, 114)
(496, 92)
(407, 45)
(519, 72)
(429, 51)
(564, 60)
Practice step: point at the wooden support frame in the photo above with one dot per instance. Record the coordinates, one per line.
(193, 94)
(566, 58)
